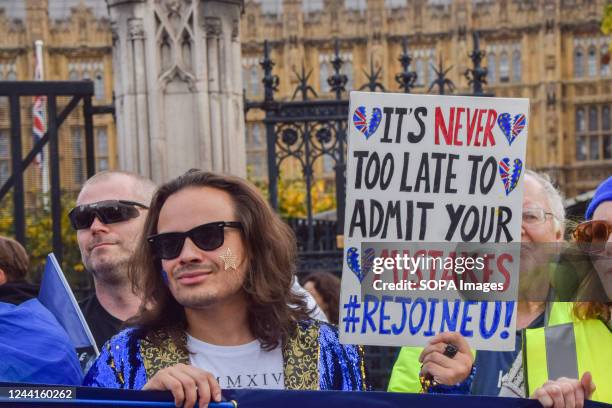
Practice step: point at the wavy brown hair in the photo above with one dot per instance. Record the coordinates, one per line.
(590, 287)
(271, 250)
(327, 286)
(14, 259)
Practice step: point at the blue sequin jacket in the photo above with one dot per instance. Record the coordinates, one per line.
(313, 359)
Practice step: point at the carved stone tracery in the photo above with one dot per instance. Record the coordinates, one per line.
(175, 41)
(136, 29)
(212, 26)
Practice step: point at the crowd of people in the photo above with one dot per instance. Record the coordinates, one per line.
(196, 291)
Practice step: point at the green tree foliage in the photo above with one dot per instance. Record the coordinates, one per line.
(292, 195)
(606, 23)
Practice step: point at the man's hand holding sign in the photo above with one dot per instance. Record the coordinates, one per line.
(425, 175)
(446, 360)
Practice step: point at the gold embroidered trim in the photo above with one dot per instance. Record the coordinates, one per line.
(161, 354)
(364, 385)
(301, 357)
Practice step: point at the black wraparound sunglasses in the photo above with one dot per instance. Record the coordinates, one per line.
(108, 212)
(207, 237)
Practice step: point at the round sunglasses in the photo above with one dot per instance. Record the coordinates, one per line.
(207, 237)
(108, 212)
(592, 236)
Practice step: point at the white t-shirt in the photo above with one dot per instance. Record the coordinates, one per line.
(245, 366)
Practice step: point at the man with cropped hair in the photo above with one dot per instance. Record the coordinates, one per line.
(108, 220)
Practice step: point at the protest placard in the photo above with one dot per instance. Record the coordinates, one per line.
(427, 169)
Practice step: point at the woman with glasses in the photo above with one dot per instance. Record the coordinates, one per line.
(584, 343)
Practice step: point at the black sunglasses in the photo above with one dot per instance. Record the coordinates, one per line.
(108, 212)
(207, 237)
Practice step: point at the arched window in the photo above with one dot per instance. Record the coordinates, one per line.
(605, 118)
(418, 67)
(578, 63)
(607, 147)
(99, 85)
(431, 73)
(245, 79)
(592, 62)
(347, 68)
(101, 142)
(12, 74)
(604, 60)
(256, 136)
(516, 66)
(580, 127)
(581, 148)
(504, 69)
(102, 148)
(254, 79)
(492, 68)
(593, 125)
(594, 147)
(85, 68)
(323, 76)
(355, 5)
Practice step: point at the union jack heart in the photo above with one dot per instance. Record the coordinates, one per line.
(510, 173)
(365, 126)
(511, 126)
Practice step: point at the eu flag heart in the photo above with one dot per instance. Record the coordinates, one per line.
(510, 173)
(367, 260)
(352, 259)
(365, 126)
(511, 126)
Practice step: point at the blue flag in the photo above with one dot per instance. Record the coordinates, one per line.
(34, 347)
(55, 294)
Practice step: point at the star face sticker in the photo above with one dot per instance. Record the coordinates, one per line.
(229, 259)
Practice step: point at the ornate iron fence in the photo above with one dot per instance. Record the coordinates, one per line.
(308, 127)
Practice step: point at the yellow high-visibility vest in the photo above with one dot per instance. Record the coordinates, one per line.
(568, 347)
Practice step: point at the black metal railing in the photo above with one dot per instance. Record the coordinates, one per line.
(308, 127)
(78, 92)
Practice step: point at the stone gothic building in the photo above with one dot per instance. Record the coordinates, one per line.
(77, 45)
(550, 51)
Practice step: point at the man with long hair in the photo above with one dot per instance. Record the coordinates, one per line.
(216, 267)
